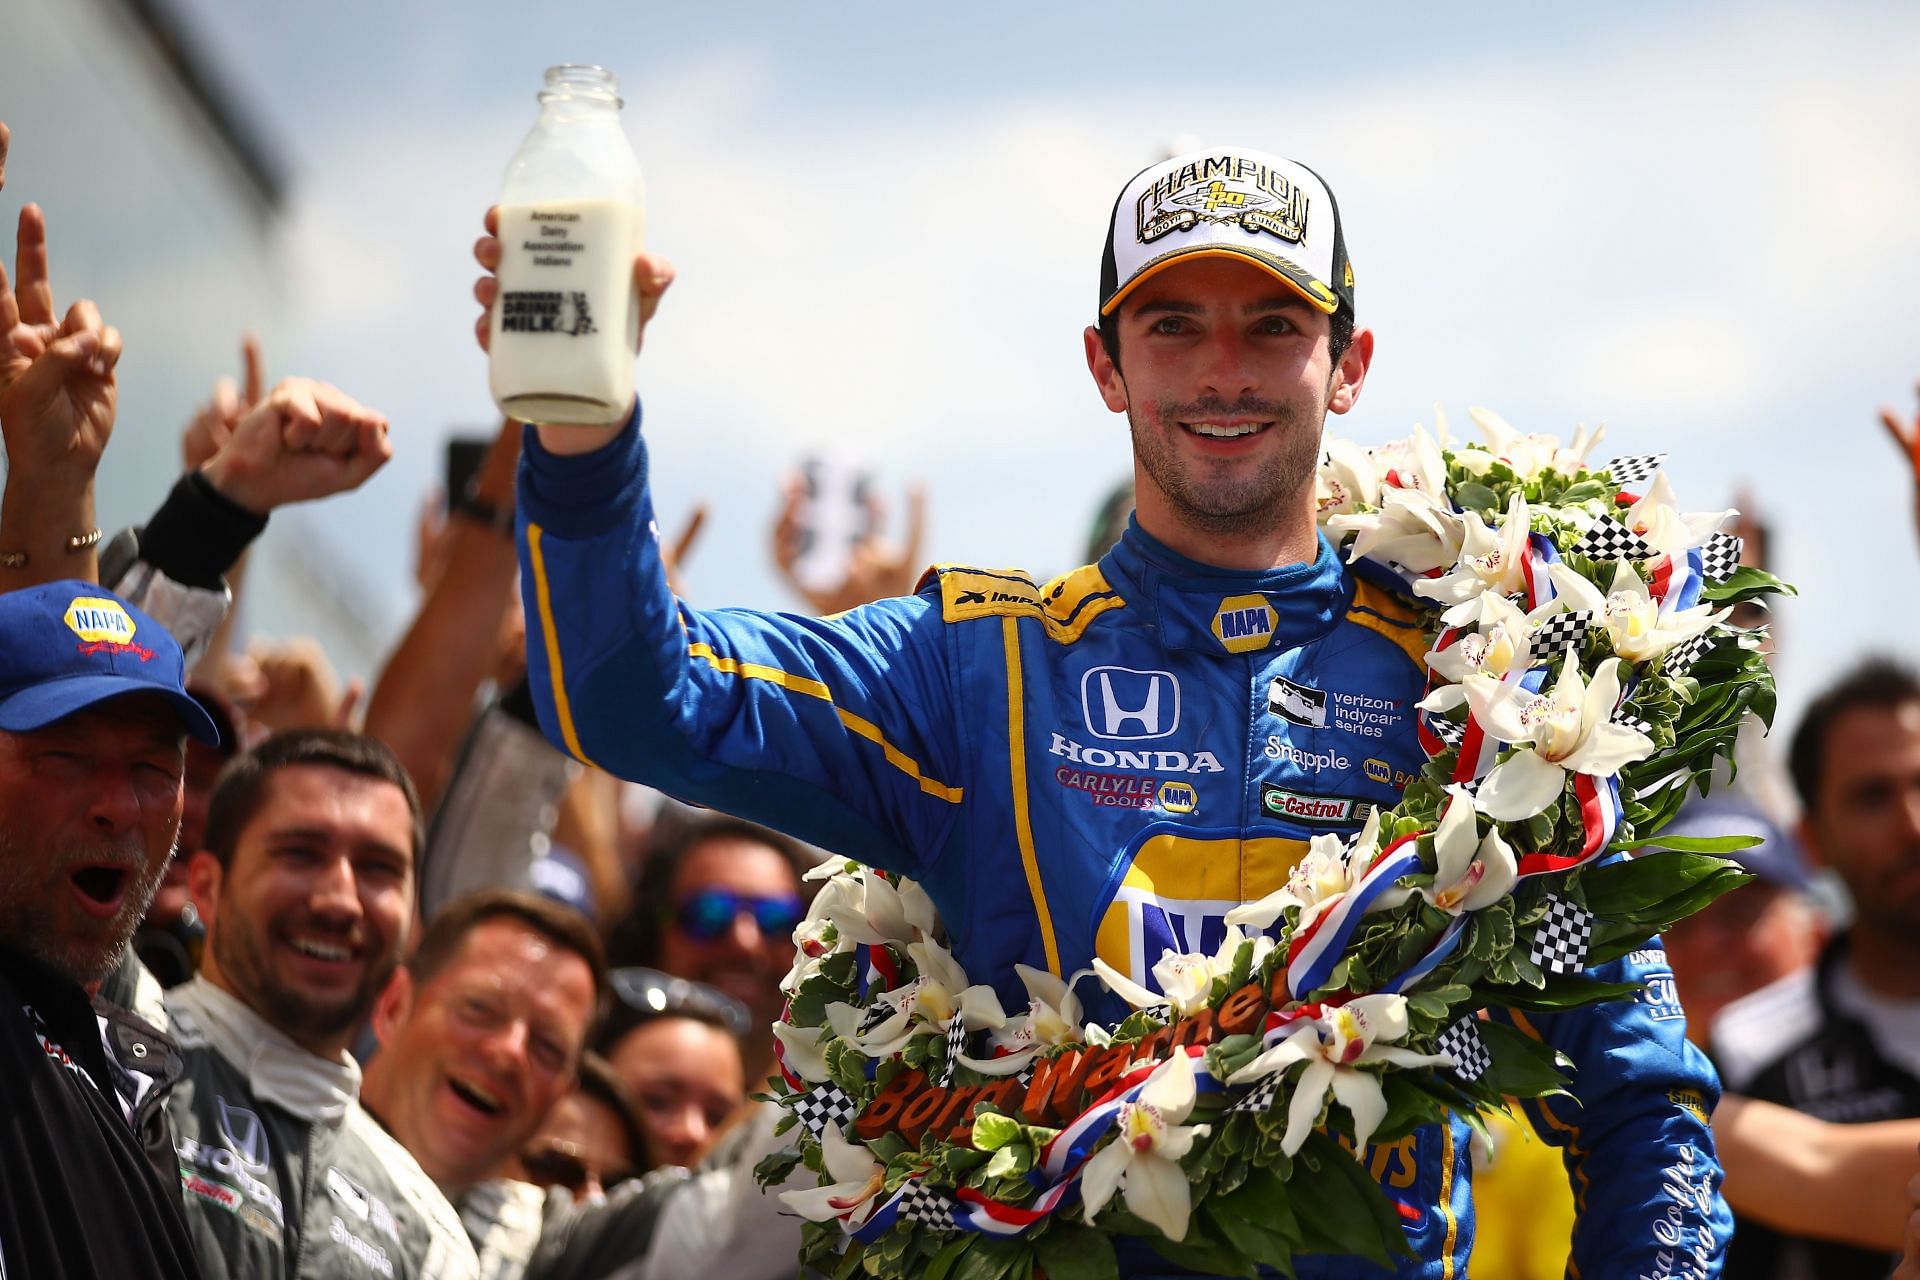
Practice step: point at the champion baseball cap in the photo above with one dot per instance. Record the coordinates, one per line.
(1229, 202)
(66, 646)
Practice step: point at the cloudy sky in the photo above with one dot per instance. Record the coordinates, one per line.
(1694, 224)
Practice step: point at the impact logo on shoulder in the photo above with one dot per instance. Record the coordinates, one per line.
(104, 626)
(1244, 624)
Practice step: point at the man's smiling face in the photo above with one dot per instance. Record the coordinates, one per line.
(1225, 376)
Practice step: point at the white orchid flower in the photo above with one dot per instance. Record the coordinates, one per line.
(1529, 455)
(1412, 529)
(1490, 560)
(1639, 627)
(858, 1181)
(929, 1003)
(1500, 647)
(1347, 480)
(1567, 731)
(1143, 1159)
(1223, 957)
(1471, 871)
(1413, 463)
(1331, 867)
(882, 912)
(1662, 526)
(1053, 1012)
(1186, 983)
(1335, 1046)
(803, 1051)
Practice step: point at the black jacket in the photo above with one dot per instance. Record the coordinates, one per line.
(1792, 1044)
(89, 1185)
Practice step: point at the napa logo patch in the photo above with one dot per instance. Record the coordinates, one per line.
(100, 621)
(1179, 797)
(1244, 624)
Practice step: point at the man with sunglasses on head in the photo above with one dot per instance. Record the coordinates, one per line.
(1105, 764)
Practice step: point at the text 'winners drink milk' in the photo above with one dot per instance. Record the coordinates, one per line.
(572, 217)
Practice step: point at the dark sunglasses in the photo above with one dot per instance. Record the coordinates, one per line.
(708, 914)
(653, 994)
(555, 1165)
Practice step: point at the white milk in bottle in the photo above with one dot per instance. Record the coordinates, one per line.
(571, 218)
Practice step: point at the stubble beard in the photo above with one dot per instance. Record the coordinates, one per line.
(31, 882)
(243, 953)
(1232, 501)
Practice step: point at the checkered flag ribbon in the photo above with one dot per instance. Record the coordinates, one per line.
(1719, 557)
(1611, 540)
(1627, 720)
(1463, 1044)
(823, 1105)
(924, 1205)
(1260, 1098)
(1448, 731)
(877, 1012)
(1634, 468)
(956, 1045)
(1681, 657)
(1561, 940)
(1561, 632)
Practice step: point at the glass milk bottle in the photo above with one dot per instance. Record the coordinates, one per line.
(571, 217)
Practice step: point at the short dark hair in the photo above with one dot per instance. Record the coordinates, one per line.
(1339, 335)
(242, 785)
(636, 939)
(559, 924)
(1877, 682)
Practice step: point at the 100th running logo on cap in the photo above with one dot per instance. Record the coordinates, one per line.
(1223, 189)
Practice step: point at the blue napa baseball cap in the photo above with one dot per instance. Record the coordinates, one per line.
(1777, 859)
(67, 646)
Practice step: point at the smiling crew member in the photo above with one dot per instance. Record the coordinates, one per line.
(306, 885)
(1105, 764)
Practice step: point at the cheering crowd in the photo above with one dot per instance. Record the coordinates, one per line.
(303, 981)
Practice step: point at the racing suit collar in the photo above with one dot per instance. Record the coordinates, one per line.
(1229, 612)
(318, 1090)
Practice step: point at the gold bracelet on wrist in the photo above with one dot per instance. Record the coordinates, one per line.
(13, 559)
(81, 541)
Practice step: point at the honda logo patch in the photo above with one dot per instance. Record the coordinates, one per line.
(1128, 705)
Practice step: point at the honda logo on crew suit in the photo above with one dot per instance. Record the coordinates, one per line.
(1130, 705)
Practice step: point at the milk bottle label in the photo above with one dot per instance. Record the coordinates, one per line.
(566, 322)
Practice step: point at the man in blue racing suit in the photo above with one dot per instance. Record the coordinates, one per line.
(1105, 764)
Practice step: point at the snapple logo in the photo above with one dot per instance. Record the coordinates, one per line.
(1244, 624)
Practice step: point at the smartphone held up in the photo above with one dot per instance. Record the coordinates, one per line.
(572, 216)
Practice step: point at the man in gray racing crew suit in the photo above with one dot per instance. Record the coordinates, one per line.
(306, 886)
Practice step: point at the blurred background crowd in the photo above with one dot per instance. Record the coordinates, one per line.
(585, 992)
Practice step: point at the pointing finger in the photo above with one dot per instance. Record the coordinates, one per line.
(36, 291)
(255, 364)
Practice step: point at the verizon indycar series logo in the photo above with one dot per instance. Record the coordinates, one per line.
(1358, 713)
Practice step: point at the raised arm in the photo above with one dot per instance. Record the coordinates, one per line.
(58, 397)
(843, 732)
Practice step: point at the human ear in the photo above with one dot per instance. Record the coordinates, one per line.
(1106, 374)
(204, 876)
(1351, 372)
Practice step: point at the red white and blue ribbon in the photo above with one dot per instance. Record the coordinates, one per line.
(1313, 954)
(1675, 581)
(1541, 556)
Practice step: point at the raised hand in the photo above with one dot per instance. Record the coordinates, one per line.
(305, 440)
(213, 423)
(58, 394)
(1906, 438)
(652, 276)
(876, 567)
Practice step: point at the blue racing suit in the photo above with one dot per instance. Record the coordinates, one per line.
(1104, 764)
